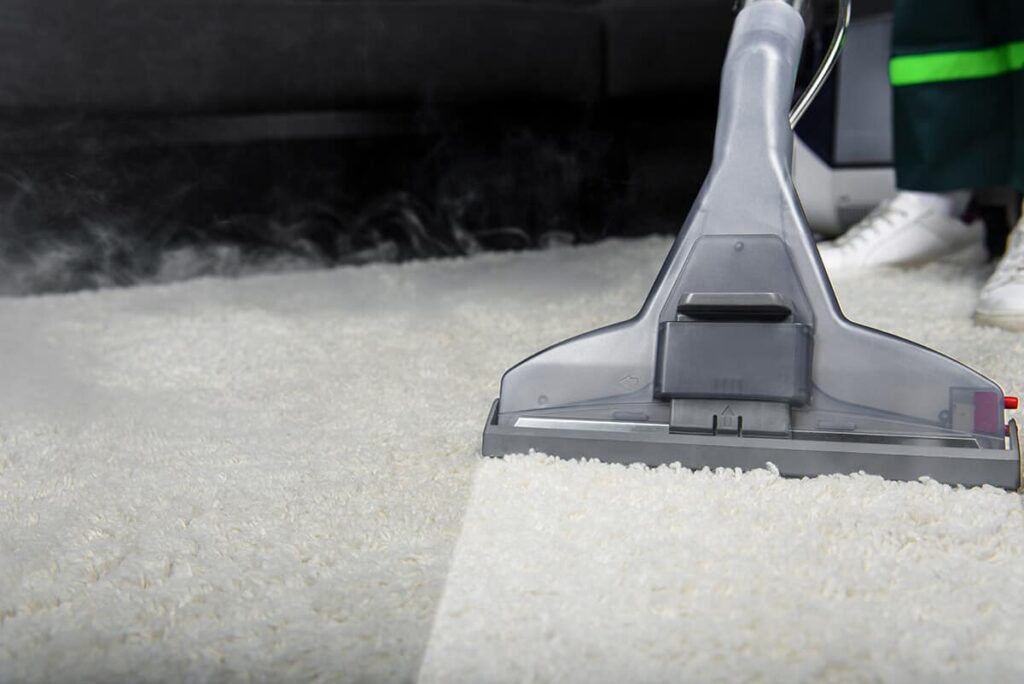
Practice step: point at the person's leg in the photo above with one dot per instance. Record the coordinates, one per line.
(1002, 299)
(1015, 32)
(951, 96)
(950, 133)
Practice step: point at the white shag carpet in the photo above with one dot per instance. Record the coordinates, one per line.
(278, 479)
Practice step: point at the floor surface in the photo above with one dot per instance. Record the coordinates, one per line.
(278, 479)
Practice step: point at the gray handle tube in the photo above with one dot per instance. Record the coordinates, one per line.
(827, 64)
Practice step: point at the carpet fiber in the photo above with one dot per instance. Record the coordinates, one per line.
(277, 478)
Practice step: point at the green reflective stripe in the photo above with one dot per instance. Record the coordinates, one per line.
(1016, 55)
(955, 66)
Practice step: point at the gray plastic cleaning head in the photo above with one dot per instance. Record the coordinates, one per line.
(741, 326)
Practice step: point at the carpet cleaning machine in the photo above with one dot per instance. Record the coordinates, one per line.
(741, 355)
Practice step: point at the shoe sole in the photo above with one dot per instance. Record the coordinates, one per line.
(974, 254)
(1006, 321)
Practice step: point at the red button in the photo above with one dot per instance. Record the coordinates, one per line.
(1011, 402)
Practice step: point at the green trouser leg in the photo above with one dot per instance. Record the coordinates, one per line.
(957, 72)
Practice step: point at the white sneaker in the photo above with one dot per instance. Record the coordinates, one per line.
(905, 231)
(1001, 302)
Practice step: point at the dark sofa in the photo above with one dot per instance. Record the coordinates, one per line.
(343, 131)
(220, 56)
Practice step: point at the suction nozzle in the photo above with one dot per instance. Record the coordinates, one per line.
(740, 354)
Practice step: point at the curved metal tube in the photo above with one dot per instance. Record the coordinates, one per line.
(827, 64)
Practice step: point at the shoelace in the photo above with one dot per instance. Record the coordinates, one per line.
(884, 215)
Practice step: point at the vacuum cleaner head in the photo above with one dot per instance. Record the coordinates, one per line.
(740, 355)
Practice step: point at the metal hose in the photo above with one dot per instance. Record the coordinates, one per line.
(827, 64)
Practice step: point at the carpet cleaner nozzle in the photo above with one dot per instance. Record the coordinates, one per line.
(740, 355)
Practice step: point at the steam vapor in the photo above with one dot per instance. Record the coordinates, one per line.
(96, 218)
